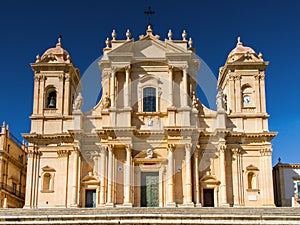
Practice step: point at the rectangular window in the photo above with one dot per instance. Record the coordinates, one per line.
(14, 188)
(298, 189)
(149, 99)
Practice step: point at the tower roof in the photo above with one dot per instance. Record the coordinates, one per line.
(57, 54)
(239, 51)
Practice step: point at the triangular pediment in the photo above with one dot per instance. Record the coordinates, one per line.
(48, 169)
(149, 47)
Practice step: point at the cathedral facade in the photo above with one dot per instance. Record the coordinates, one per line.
(149, 142)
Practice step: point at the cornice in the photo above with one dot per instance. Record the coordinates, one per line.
(48, 138)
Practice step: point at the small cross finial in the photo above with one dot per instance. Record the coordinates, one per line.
(279, 159)
(59, 41)
(239, 41)
(149, 12)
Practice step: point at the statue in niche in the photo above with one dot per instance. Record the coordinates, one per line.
(149, 153)
(220, 101)
(78, 102)
(106, 102)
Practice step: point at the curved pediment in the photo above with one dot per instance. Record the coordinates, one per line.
(90, 178)
(209, 179)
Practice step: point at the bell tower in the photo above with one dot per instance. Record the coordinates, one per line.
(242, 80)
(55, 83)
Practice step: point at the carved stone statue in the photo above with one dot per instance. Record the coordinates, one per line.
(220, 101)
(106, 102)
(78, 102)
(149, 153)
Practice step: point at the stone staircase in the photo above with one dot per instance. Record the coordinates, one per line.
(143, 216)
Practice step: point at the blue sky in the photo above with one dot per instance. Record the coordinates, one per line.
(30, 27)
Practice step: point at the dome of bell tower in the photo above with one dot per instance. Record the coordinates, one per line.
(57, 54)
(239, 51)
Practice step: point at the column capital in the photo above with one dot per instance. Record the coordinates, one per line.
(110, 147)
(266, 151)
(237, 77)
(222, 147)
(128, 147)
(236, 151)
(188, 146)
(63, 153)
(171, 147)
(128, 68)
(185, 67)
(114, 69)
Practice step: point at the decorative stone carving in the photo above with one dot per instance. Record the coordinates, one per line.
(149, 153)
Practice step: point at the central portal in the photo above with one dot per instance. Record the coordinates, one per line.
(149, 189)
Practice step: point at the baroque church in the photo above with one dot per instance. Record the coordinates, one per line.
(149, 141)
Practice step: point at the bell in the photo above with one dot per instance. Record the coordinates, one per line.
(52, 103)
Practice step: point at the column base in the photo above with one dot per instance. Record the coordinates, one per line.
(225, 205)
(74, 206)
(171, 204)
(109, 205)
(27, 207)
(188, 204)
(128, 204)
(102, 205)
(198, 205)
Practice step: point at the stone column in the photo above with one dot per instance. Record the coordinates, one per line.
(127, 178)
(266, 168)
(222, 163)
(29, 179)
(126, 88)
(262, 93)
(110, 182)
(102, 173)
(171, 85)
(112, 86)
(63, 156)
(232, 94)
(34, 186)
(257, 93)
(235, 177)
(60, 96)
(196, 176)
(185, 85)
(238, 94)
(188, 175)
(75, 178)
(42, 100)
(37, 177)
(67, 105)
(170, 177)
(36, 94)
(1, 170)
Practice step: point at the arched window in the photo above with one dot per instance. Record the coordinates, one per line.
(149, 99)
(46, 181)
